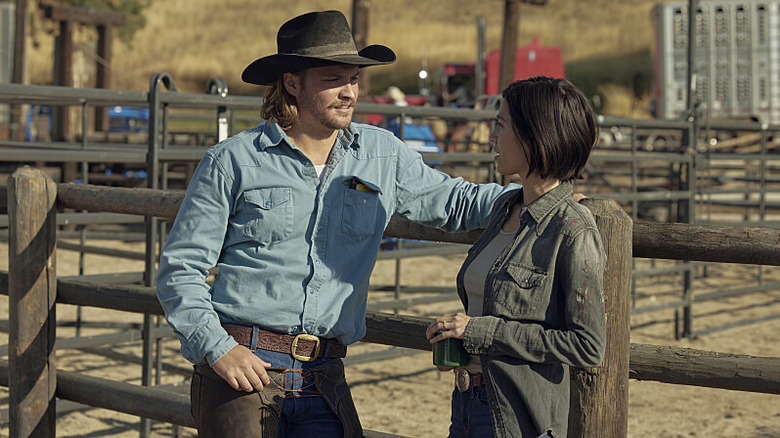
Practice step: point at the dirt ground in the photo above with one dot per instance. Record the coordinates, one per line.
(407, 396)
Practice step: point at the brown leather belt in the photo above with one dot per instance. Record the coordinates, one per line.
(303, 347)
(477, 381)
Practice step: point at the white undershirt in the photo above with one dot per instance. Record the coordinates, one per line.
(319, 169)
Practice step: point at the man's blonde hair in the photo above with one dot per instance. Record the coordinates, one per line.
(279, 105)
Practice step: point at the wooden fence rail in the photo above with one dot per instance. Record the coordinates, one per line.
(147, 402)
(600, 398)
(758, 246)
(666, 364)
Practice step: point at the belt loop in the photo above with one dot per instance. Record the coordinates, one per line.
(253, 341)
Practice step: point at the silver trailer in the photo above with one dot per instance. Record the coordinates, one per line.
(736, 59)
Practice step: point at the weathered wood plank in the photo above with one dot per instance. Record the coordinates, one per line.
(686, 366)
(85, 15)
(148, 402)
(704, 243)
(31, 303)
(707, 243)
(143, 401)
(763, 373)
(143, 202)
(128, 298)
(397, 330)
(599, 396)
(402, 228)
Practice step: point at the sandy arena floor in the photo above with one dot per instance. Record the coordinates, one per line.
(407, 396)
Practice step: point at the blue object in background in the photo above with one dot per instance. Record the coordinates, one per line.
(418, 137)
(38, 123)
(128, 119)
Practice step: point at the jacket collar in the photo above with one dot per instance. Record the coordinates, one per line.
(547, 202)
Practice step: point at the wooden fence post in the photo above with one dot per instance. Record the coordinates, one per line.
(599, 396)
(31, 296)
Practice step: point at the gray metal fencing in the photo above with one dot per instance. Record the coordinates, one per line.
(690, 171)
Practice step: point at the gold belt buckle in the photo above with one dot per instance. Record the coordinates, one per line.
(306, 337)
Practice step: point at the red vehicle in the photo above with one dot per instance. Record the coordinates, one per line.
(457, 80)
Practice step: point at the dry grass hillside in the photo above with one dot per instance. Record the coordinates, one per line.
(198, 39)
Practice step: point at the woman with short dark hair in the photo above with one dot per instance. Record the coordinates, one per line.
(532, 284)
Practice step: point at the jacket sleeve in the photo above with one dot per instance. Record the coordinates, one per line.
(581, 340)
(191, 249)
(431, 197)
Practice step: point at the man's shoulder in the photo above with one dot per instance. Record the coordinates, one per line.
(371, 132)
(244, 142)
(374, 141)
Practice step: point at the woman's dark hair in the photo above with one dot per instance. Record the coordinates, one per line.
(556, 123)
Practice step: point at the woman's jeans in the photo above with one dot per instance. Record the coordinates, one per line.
(471, 415)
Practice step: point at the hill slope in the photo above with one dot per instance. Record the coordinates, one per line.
(197, 39)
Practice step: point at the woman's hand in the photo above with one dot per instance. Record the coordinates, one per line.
(443, 327)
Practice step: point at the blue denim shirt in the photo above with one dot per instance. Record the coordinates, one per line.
(295, 253)
(543, 311)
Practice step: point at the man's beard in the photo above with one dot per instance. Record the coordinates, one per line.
(334, 121)
(325, 116)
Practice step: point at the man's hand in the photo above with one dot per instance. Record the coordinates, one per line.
(242, 370)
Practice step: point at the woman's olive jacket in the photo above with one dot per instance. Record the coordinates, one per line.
(543, 311)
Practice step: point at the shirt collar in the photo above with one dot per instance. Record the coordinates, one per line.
(349, 137)
(275, 135)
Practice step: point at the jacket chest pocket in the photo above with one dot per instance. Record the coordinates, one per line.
(267, 214)
(359, 216)
(521, 289)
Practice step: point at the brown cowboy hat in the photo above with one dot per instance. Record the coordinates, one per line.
(311, 40)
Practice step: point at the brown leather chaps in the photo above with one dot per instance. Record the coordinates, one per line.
(220, 411)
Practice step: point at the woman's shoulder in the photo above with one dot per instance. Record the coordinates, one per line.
(574, 216)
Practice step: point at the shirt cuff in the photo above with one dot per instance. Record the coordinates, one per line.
(479, 334)
(209, 343)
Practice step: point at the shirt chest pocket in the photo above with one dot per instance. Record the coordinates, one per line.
(266, 215)
(522, 289)
(359, 216)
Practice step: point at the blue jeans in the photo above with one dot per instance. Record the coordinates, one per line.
(220, 411)
(307, 417)
(304, 413)
(471, 415)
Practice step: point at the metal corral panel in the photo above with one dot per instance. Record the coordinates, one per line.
(7, 22)
(736, 59)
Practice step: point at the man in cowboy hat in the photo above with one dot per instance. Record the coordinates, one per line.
(292, 213)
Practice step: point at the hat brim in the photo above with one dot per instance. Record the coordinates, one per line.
(266, 70)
